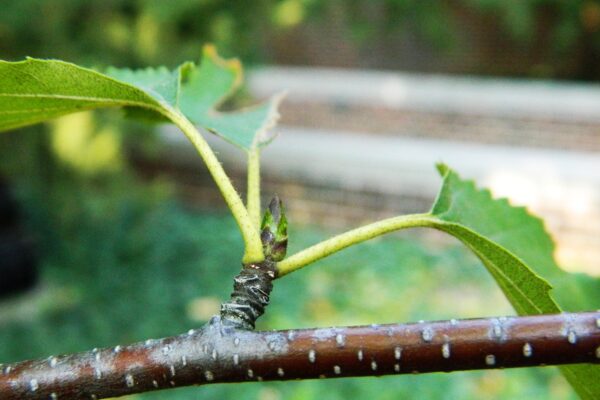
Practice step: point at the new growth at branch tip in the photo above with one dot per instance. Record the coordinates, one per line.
(273, 231)
(252, 286)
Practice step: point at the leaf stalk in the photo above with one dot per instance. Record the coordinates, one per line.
(253, 190)
(253, 252)
(349, 238)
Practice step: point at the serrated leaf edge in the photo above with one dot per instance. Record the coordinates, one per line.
(153, 94)
(444, 170)
(209, 51)
(579, 385)
(261, 136)
(118, 103)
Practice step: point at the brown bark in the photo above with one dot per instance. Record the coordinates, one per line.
(221, 353)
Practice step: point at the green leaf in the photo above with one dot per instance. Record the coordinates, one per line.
(510, 242)
(159, 82)
(34, 91)
(208, 86)
(507, 239)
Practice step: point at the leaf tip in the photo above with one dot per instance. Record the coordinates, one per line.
(209, 50)
(265, 134)
(233, 64)
(442, 168)
(185, 69)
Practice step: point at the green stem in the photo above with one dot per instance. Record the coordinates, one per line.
(253, 246)
(253, 191)
(350, 238)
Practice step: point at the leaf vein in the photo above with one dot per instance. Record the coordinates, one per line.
(81, 98)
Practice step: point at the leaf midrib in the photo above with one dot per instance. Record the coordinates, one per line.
(81, 98)
(443, 224)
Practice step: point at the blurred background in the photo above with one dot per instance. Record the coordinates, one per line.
(111, 231)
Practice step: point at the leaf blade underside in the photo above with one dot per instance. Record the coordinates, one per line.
(34, 91)
(510, 242)
(247, 128)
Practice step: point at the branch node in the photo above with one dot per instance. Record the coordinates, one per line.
(251, 290)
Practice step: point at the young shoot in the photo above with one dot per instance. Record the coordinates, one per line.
(511, 243)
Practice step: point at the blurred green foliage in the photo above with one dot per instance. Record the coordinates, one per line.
(547, 38)
(535, 38)
(128, 33)
(123, 262)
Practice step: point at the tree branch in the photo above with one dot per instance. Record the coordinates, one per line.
(221, 353)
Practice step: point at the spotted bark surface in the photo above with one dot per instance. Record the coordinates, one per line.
(220, 352)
